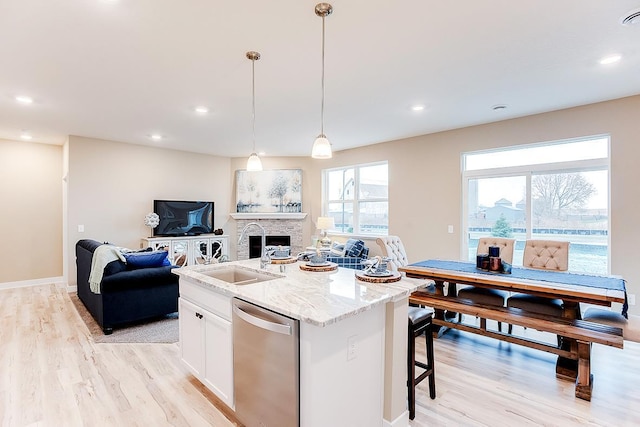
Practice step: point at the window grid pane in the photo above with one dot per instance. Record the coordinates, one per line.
(539, 154)
(567, 206)
(357, 199)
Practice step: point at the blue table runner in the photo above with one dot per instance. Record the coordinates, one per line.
(593, 281)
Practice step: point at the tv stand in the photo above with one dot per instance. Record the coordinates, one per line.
(190, 250)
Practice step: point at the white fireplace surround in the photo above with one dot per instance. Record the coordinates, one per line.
(281, 224)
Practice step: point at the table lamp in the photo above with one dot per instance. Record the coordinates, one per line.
(325, 223)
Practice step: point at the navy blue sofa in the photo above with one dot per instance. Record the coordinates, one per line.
(126, 295)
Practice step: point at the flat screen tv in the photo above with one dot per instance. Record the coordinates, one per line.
(183, 218)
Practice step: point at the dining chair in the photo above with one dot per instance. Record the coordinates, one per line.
(486, 296)
(391, 247)
(542, 255)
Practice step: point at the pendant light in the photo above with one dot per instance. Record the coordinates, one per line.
(253, 163)
(322, 146)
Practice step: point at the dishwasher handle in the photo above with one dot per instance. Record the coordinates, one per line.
(261, 323)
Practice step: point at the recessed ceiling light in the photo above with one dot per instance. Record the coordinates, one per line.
(26, 136)
(156, 137)
(611, 59)
(418, 107)
(261, 153)
(499, 107)
(24, 99)
(632, 17)
(201, 110)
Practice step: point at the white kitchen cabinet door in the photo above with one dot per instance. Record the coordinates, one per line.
(192, 336)
(206, 347)
(218, 369)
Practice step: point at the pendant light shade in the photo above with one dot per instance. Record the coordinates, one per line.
(253, 163)
(322, 146)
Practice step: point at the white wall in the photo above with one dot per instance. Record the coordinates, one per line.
(30, 210)
(112, 185)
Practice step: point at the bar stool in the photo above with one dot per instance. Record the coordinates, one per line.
(420, 321)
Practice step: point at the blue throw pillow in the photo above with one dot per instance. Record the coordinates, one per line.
(353, 248)
(146, 259)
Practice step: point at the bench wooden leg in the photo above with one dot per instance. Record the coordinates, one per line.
(439, 314)
(584, 382)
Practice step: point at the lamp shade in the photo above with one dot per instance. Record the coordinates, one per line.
(325, 223)
(321, 148)
(254, 163)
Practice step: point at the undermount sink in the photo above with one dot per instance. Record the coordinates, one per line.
(238, 276)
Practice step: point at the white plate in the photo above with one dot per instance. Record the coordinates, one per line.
(319, 264)
(385, 273)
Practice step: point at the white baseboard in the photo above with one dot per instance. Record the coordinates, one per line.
(401, 421)
(58, 281)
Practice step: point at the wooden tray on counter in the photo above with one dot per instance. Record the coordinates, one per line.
(394, 277)
(289, 260)
(330, 266)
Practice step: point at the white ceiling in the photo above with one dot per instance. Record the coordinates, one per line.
(124, 69)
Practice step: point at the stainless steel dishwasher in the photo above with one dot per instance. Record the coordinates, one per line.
(266, 373)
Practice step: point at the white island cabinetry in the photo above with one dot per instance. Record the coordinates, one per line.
(353, 338)
(206, 344)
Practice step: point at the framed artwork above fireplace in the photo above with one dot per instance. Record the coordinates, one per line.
(269, 191)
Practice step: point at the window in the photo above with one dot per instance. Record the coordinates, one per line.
(357, 197)
(553, 191)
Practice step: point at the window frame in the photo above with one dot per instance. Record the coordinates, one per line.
(355, 200)
(571, 166)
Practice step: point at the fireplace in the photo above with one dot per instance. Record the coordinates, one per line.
(291, 228)
(255, 244)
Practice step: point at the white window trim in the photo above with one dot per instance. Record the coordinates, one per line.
(527, 171)
(355, 201)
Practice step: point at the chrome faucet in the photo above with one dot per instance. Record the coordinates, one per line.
(264, 257)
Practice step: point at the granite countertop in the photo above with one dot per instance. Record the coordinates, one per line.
(318, 298)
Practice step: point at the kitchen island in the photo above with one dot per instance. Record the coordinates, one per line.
(352, 335)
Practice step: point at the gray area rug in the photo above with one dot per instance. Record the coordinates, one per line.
(161, 330)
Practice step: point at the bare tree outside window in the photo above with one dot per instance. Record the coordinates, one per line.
(555, 194)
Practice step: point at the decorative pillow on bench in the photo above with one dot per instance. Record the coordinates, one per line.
(147, 259)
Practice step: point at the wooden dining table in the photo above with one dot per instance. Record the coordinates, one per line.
(571, 288)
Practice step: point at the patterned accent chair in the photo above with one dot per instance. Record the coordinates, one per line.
(543, 255)
(355, 252)
(493, 297)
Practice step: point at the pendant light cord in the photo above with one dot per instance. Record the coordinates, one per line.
(253, 104)
(322, 103)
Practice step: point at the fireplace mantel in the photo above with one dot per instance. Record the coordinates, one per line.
(268, 215)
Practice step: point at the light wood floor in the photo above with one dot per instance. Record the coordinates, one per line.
(53, 374)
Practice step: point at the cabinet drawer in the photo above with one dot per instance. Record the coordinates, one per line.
(206, 298)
